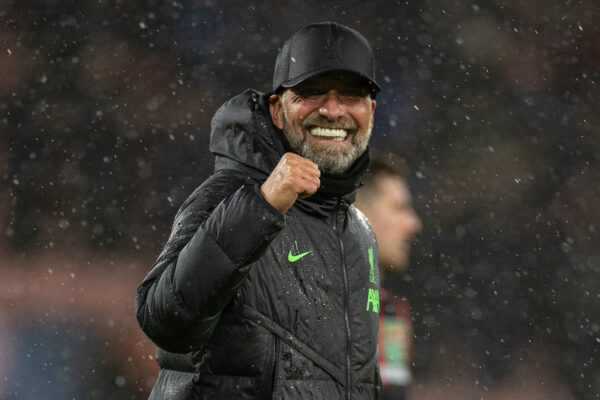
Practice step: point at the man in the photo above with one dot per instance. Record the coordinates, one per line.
(265, 287)
(386, 202)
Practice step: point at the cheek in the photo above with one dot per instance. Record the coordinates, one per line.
(392, 227)
(384, 226)
(390, 230)
(362, 115)
(303, 112)
(295, 115)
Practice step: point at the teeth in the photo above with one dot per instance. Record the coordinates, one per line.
(337, 135)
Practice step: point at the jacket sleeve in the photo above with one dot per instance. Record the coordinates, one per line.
(181, 299)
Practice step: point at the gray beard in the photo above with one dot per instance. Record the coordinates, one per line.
(329, 161)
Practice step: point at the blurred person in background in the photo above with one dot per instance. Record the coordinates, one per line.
(386, 201)
(260, 291)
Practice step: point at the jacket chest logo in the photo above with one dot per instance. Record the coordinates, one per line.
(373, 295)
(293, 258)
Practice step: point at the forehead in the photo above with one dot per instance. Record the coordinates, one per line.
(392, 187)
(335, 80)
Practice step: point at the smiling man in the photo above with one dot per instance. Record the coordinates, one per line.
(268, 286)
(331, 107)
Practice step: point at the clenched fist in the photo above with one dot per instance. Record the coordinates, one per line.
(292, 177)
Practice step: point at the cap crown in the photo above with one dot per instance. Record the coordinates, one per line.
(323, 47)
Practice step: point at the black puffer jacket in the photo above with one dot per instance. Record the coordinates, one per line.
(247, 303)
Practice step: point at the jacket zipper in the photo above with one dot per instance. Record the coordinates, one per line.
(275, 364)
(347, 300)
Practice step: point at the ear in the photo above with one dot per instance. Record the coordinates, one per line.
(276, 110)
(373, 104)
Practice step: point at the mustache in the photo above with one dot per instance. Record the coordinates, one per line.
(345, 123)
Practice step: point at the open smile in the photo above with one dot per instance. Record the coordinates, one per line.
(333, 134)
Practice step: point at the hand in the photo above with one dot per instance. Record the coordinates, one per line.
(292, 177)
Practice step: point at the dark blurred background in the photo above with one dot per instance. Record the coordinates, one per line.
(105, 108)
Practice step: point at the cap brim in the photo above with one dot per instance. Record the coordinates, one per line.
(290, 83)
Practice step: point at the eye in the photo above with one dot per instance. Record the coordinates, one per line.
(354, 93)
(310, 92)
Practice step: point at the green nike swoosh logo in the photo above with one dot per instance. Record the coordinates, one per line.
(294, 258)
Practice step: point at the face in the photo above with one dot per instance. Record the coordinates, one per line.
(394, 221)
(327, 119)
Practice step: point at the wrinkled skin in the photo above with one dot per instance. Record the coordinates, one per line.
(293, 177)
(326, 101)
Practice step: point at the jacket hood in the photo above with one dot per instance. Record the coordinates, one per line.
(242, 132)
(244, 137)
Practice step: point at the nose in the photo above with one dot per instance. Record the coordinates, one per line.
(414, 224)
(331, 107)
(417, 224)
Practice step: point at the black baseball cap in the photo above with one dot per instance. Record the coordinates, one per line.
(323, 47)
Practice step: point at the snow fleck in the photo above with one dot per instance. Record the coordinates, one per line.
(98, 229)
(9, 52)
(416, 107)
(143, 25)
(120, 381)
